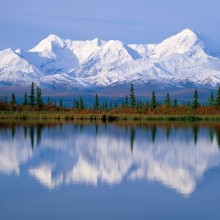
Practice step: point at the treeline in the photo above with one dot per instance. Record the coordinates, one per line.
(34, 102)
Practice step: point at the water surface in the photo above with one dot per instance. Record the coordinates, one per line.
(109, 171)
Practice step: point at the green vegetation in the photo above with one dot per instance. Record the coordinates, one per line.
(25, 99)
(13, 99)
(167, 101)
(32, 97)
(153, 103)
(132, 109)
(211, 100)
(132, 97)
(195, 103)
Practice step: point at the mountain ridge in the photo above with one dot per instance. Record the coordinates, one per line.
(180, 61)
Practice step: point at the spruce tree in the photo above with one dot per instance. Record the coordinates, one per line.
(167, 100)
(132, 97)
(77, 104)
(31, 96)
(175, 104)
(55, 103)
(48, 101)
(195, 103)
(126, 101)
(96, 104)
(61, 103)
(211, 100)
(39, 101)
(81, 103)
(25, 99)
(106, 105)
(153, 103)
(110, 105)
(141, 104)
(189, 103)
(217, 102)
(13, 99)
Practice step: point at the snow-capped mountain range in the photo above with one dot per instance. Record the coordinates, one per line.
(181, 61)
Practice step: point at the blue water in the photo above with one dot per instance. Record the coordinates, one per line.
(115, 171)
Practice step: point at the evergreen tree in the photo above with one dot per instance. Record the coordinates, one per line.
(189, 103)
(76, 104)
(106, 105)
(132, 138)
(25, 99)
(55, 103)
(126, 101)
(167, 101)
(132, 97)
(211, 100)
(110, 105)
(61, 103)
(31, 96)
(13, 99)
(48, 101)
(96, 104)
(175, 104)
(81, 103)
(115, 106)
(195, 103)
(39, 101)
(153, 103)
(141, 104)
(217, 102)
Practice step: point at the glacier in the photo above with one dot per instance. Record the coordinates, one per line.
(181, 61)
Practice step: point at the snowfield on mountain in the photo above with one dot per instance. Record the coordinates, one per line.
(181, 61)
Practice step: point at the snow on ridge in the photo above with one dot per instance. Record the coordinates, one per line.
(47, 44)
(105, 63)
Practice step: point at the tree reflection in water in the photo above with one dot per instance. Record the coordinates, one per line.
(176, 154)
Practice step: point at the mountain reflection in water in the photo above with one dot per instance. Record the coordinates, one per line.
(176, 155)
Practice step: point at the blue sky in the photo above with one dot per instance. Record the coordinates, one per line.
(23, 23)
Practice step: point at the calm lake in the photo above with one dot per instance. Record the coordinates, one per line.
(113, 171)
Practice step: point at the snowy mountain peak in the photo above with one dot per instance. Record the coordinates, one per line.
(187, 32)
(187, 37)
(114, 43)
(98, 42)
(7, 56)
(180, 43)
(112, 51)
(53, 37)
(48, 43)
(6, 52)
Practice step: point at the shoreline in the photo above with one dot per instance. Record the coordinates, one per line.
(104, 116)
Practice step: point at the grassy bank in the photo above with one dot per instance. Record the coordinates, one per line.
(104, 116)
